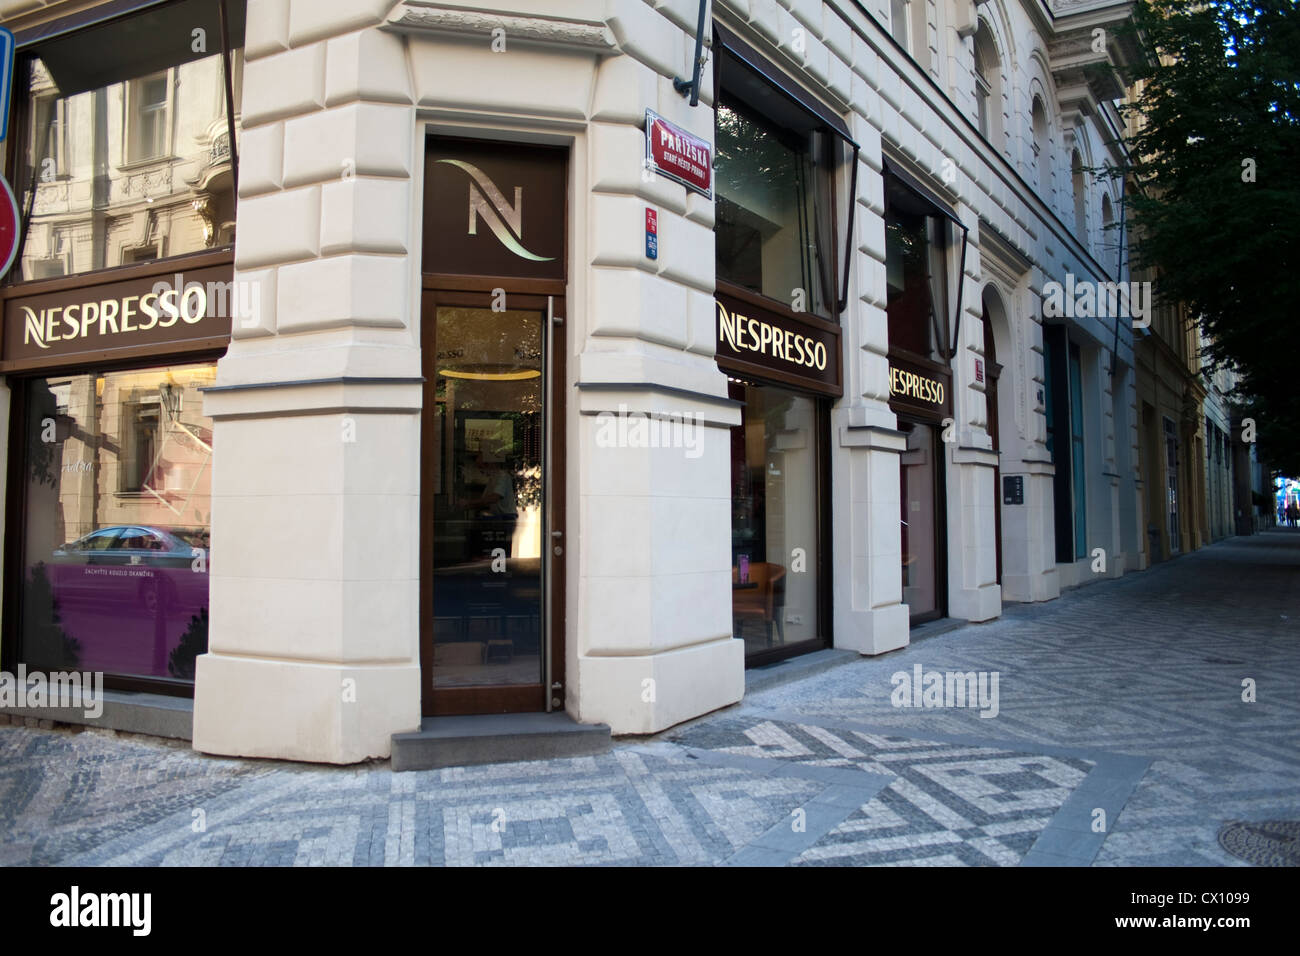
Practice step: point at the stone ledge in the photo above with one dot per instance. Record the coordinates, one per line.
(797, 668)
(155, 714)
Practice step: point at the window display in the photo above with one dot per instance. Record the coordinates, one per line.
(116, 550)
(774, 518)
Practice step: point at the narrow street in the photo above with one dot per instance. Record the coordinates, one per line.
(1121, 737)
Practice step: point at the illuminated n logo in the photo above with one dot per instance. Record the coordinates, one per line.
(488, 202)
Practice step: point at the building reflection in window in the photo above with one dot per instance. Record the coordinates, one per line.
(128, 156)
(117, 522)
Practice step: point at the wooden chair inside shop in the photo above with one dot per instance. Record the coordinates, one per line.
(765, 601)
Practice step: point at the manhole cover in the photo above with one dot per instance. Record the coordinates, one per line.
(1272, 843)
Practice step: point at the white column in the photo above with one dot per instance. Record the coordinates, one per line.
(315, 493)
(865, 442)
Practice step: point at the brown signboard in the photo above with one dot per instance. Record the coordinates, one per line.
(919, 388)
(103, 319)
(762, 341)
(494, 209)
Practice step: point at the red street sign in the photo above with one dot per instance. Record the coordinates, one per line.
(9, 222)
(673, 152)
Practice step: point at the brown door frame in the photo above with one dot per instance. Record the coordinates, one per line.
(546, 297)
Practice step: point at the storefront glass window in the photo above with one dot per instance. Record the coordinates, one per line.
(127, 154)
(774, 536)
(774, 224)
(116, 554)
(915, 274)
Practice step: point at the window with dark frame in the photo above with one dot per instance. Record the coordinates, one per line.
(916, 241)
(775, 218)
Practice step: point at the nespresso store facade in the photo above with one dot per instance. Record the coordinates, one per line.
(782, 217)
(117, 306)
(385, 459)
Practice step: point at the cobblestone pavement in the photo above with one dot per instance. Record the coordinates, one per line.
(1121, 737)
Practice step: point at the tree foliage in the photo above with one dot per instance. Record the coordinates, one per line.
(1217, 208)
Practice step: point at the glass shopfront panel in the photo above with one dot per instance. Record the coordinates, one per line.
(915, 270)
(774, 518)
(126, 141)
(117, 515)
(774, 223)
(919, 500)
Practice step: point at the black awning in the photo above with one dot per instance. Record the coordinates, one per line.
(923, 193)
(127, 39)
(724, 41)
(83, 18)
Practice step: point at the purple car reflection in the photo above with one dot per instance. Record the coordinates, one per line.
(127, 593)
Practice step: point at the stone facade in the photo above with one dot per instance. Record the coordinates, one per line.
(314, 647)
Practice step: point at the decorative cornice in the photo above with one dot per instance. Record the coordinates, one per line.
(1076, 63)
(1061, 8)
(421, 17)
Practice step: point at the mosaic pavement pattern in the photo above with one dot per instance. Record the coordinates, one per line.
(945, 803)
(1123, 698)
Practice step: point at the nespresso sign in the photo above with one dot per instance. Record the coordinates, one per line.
(162, 310)
(494, 209)
(754, 339)
(917, 387)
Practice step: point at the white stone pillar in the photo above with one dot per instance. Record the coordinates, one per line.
(650, 639)
(865, 441)
(1028, 530)
(315, 493)
(973, 591)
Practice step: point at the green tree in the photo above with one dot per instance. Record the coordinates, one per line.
(1217, 207)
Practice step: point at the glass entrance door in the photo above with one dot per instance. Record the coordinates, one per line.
(490, 540)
